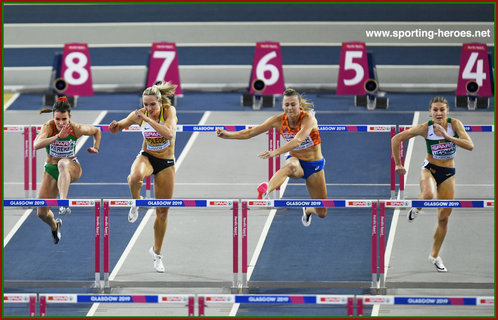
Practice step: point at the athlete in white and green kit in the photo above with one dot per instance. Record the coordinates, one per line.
(437, 179)
(58, 136)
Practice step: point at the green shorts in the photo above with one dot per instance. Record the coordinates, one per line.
(52, 170)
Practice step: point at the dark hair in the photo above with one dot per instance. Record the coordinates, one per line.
(439, 99)
(61, 105)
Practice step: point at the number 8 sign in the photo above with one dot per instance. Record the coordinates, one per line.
(267, 66)
(76, 71)
(474, 66)
(353, 69)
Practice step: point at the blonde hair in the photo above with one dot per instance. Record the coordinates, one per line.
(161, 90)
(306, 104)
(439, 99)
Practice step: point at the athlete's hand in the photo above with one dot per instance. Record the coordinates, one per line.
(114, 126)
(439, 130)
(93, 150)
(139, 113)
(221, 133)
(400, 170)
(266, 154)
(65, 131)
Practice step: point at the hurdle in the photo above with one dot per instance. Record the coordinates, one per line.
(299, 203)
(421, 300)
(205, 299)
(61, 298)
(403, 204)
(67, 203)
(177, 203)
(29, 298)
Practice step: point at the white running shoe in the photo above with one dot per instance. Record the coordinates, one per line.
(438, 263)
(133, 214)
(64, 210)
(158, 263)
(262, 188)
(412, 214)
(305, 218)
(56, 234)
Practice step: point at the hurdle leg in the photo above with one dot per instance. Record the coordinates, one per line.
(359, 306)
(277, 158)
(43, 306)
(26, 161)
(191, 306)
(32, 305)
(148, 187)
(270, 159)
(393, 167)
(235, 244)
(382, 218)
(33, 162)
(350, 306)
(97, 245)
(373, 287)
(106, 246)
(401, 176)
(201, 306)
(245, 288)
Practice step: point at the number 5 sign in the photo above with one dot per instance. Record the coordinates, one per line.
(474, 66)
(163, 65)
(267, 66)
(353, 69)
(76, 71)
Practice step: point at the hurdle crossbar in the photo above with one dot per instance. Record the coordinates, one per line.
(68, 203)
(300, 203)
(61, 298)
(177, 203)
(205, 299)
(421, 300)
(29, 298)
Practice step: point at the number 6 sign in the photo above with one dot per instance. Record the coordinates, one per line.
(353, 69)
(267, 66)
(163, 65)
(474, 66)
(76, 71)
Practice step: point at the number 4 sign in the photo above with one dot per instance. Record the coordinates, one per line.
(474, 66)
(76, 71)
(163, 65)
(267, 66)
(353, 69)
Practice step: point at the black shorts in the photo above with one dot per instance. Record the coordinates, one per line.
(440, 174)
(158, 164)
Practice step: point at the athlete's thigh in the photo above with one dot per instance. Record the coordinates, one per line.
(48, 188)
(164, 183)
(141, 166)
(298, 171)
(446, 190)
(316, 185)
(74, 170)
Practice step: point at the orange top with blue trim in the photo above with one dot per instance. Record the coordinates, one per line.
(288, 133)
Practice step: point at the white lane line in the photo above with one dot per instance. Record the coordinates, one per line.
(26, 214)
(147, 216)
(11, 101)
(259, 246)
(394, 222)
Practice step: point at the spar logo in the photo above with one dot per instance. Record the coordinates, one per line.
(121, 202)
(15, 298)
(173, 299)
(62, 298)
(487, 301)
(373, 300)
(378, 128)
(221, 203)
(259, 203)
(332, 299)
(398, 204)
(82, 203)
(219, 299)
(359, 203)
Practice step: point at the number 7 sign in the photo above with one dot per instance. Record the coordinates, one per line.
(474, 66)
(163, 65)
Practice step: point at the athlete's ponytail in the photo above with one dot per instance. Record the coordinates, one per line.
(162, 90)
(61, 105)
